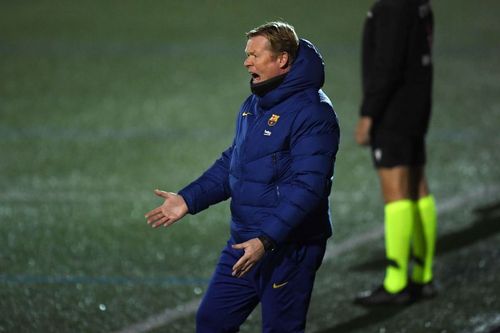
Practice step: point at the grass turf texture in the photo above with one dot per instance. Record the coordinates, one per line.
(100, 103)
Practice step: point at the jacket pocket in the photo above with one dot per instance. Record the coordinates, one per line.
(274, 158)
(281, 164)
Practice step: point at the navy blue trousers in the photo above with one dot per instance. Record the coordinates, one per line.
(282, 281)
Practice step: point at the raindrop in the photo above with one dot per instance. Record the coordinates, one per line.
(102, 307)
(197, 291)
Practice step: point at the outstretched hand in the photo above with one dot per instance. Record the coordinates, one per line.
(254, 251)
(173, 209)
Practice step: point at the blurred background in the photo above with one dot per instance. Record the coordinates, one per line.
(103, 101)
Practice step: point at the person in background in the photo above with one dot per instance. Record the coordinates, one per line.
(397, 74)
(278, 173)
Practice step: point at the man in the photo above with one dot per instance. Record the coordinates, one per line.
(278, 174)
(395, 112)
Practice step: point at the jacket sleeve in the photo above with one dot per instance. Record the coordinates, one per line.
(211, 187)
(313, 147)
(384, 49)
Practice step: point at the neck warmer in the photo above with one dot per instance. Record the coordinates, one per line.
(262, 88)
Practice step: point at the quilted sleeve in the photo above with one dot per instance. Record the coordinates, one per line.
(211, 187)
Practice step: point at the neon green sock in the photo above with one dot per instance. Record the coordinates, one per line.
(399, 217)
(424, 239)
(418, 245)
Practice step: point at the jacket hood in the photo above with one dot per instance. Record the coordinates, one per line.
(307, 72)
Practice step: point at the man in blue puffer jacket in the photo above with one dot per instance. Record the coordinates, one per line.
(278, 173)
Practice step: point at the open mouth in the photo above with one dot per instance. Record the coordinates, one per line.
(255, 76)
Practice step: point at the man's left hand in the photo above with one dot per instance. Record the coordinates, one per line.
(254, 251)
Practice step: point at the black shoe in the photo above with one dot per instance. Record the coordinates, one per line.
(380, 296)
(422, 290)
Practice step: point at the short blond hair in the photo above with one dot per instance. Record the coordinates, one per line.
(281, 37)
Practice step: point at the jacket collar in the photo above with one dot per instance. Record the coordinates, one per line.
(307, 72)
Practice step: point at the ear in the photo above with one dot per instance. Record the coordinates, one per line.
(283, 60)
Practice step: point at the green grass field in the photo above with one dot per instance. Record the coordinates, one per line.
(102, 102)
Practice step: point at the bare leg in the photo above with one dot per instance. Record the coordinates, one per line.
(398, 221)
(395, 183)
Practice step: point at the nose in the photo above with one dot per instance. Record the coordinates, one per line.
(247, 62)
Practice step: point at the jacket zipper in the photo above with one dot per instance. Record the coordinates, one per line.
(275, 170)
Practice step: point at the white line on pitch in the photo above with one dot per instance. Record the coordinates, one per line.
(170, 315)
(163, 318)
(378, 231)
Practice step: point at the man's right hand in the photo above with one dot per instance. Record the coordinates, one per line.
(173, 209)
(363, 128)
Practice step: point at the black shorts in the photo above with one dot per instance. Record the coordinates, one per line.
(390, 150)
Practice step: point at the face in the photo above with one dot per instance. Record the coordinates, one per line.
(261, 62)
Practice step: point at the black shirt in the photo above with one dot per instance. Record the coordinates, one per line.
(397, 66)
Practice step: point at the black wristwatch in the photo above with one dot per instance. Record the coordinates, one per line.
(267, 242)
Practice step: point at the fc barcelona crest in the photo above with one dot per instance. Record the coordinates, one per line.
(273, 120)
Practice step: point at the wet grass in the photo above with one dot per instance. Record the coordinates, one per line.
(102, 103)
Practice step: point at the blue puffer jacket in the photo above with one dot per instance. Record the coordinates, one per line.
(279, 170)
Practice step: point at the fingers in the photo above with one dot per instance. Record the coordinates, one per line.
(242, 272)
(163, 221)
(152, 213)
(245, 263)
(242, 267)
(153, 217)
(164, 194)
(161, 193)
(160, 219)
(253, 253)
(156, 218)
(239, 246)
(239, 264)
